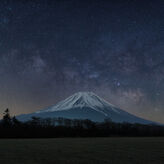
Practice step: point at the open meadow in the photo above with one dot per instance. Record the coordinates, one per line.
(82, 151)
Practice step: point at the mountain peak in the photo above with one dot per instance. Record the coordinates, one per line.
(86, 105)
(79, 100)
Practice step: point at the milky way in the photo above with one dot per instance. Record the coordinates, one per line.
(52, 49)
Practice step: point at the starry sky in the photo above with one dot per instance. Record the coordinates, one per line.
(52, 49)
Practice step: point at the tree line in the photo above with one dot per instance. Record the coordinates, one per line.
(10, 127)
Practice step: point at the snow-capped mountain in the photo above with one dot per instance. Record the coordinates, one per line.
(85, 105)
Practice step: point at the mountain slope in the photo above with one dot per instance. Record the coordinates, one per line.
(86, 105)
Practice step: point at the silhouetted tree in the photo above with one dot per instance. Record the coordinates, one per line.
(15, 121)
(6, 118)
(35, 121)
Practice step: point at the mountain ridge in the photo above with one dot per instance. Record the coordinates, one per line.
(86, 105)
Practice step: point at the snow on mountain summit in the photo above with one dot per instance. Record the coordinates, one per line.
(81, 100)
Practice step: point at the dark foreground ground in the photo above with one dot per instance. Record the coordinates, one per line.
(82, 151)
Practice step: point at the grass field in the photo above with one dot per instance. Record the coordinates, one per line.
(82, 151)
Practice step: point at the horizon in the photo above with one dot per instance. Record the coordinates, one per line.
(50, 50)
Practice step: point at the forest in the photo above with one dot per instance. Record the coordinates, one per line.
(11, 127)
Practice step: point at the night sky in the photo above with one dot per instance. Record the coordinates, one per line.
(51, 49)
